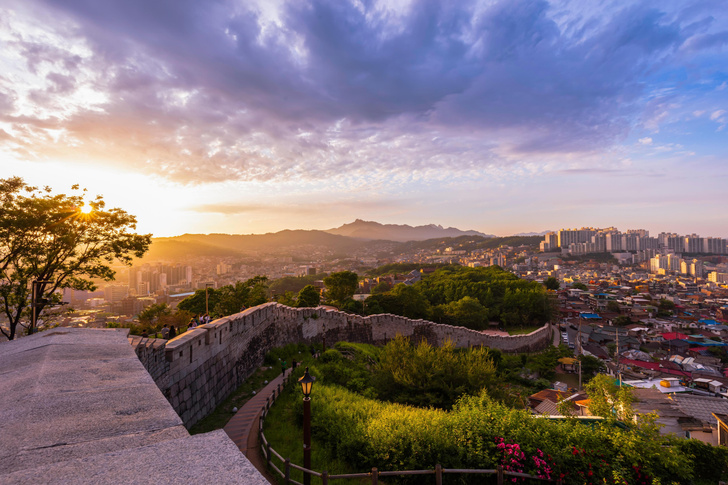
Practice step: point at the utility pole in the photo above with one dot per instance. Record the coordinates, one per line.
(619, 371)
(578, 342)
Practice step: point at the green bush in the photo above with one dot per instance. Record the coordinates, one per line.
(368, 433)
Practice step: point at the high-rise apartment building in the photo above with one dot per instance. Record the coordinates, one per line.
(115, 293)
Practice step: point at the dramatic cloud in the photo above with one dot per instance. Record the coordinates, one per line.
(365, 93)
(368, 102)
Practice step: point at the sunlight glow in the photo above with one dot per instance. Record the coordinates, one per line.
(86, 209)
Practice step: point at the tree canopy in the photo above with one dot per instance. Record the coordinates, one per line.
(469, 297)
(60, 240)
(228, 299)
(341, 286)
(552, 283)
(309, 296)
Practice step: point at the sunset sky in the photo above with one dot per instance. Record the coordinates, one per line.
(502, 116)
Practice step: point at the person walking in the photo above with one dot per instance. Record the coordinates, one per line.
(165, 332)
(172, 332)
(283, 367)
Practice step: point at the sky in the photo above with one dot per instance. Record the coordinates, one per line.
(502, 116)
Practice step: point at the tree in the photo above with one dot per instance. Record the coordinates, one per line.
(228, 299)
(309, 296)
(288, 298)
(665, 308)
(613, 306)
(466, 312)
(608, 400)
(381, 287)
(60, 241)
(552, 283)
(579, 286)
(151, 314)
(591, 365)
(341, 285)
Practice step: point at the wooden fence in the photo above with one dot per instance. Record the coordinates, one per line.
(286, 466)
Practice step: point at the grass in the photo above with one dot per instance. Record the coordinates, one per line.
(522, 330)
(284, 432)
(224, 411)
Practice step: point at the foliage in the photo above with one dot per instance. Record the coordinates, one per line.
(608, 400)
(294, 284)
(309, 296)
(507, 298)
(577, 285)
(552, 283)
(228, 299)
(613, 306)
(466, 312)
(287, 353)
(393, 268)
(544, 363)
(48, 237)
(665, 308)
(622, 321)
(288, 298)
(153, 312)
(424, 375)
(712, 461)
(591, 366)
(340, 286)
(404, 300)
(367, 433)
(381, 287)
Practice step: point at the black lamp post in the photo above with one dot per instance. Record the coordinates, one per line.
(306, 385)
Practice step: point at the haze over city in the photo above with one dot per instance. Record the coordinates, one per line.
(498, 116)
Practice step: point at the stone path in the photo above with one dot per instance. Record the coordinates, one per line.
(77, 406)
(243, 426)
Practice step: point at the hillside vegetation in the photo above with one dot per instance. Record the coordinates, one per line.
(469, 297)
(360, 417)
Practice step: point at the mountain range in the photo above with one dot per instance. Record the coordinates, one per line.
(358, 237)
(369, 230)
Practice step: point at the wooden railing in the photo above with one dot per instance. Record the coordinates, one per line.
(286, 466)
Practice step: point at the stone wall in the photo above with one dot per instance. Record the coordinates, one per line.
(203, 366)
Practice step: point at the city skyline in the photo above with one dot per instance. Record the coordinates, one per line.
(501, 117)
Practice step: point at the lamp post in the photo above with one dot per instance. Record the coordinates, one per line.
(306, 385)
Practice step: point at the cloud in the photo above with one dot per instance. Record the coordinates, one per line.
(717, 114)
(645, 141)
(218, 91)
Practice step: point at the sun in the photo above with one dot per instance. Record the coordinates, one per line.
(86, 209)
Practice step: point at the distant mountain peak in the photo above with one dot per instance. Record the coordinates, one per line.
(362, 229)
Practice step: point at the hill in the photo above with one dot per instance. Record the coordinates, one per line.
(370, 230)
(219, 245)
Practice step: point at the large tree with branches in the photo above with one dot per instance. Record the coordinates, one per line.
(58, 241)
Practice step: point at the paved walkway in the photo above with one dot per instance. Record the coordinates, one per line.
(243, 426)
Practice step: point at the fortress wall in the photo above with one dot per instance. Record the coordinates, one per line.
(201, 367)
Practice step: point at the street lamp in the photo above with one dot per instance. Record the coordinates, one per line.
(306, 386)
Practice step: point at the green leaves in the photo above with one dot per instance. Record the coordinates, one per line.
(47, 237)
(341, 286)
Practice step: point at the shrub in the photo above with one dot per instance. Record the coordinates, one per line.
(368, 433)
